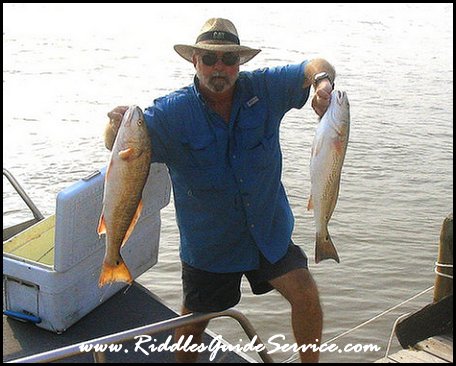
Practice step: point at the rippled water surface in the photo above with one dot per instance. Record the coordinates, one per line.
(66, 66)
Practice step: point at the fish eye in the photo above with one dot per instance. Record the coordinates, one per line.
(139, 122)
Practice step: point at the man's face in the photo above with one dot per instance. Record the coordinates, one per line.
(216, 71)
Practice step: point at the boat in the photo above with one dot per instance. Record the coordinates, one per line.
(53, 309)
(426, 335)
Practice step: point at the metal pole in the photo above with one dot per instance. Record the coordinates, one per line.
(251, 333)
(36, 213)
(150, 329)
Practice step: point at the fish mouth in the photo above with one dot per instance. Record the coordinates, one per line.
(341, 97)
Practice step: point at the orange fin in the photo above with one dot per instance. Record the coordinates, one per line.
(114, 273)
(310, 204)
(125, 154)
(133, 223)
(101, 225)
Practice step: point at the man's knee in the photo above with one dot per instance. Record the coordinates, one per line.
(298, 287)
(195, 329)
(309, 286)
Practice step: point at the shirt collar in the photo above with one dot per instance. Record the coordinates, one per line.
(196, 89)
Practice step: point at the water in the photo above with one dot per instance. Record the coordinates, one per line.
(65, 66)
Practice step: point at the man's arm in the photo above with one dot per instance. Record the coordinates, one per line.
(323, 88)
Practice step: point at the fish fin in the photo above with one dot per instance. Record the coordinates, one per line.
(101, 225)
(126, 154)
(310, 204)
(133, 223)
(114, 273)
(325, 249)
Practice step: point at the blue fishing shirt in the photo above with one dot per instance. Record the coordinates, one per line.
(229, 199)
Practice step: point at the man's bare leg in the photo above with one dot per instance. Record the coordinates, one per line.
(299, 288)
(196, 330)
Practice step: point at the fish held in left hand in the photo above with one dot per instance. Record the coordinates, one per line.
(125, 179)
(327, 157)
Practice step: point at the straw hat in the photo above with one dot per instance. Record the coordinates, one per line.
(217, 34)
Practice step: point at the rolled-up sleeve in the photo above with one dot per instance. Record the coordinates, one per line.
(285, 86)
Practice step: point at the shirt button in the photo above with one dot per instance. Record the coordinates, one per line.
(252, 226)
(234, 156)
(241, 180)
(248, 204)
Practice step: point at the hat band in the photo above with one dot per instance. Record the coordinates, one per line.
(218, 36)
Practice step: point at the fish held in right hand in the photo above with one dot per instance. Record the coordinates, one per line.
(112, 127)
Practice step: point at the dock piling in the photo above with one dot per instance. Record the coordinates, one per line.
(443, 285)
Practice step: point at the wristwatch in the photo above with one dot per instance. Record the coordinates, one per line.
(319, 76)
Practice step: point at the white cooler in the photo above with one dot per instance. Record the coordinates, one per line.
(51, 270)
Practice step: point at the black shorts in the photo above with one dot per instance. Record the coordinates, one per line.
(211, 292)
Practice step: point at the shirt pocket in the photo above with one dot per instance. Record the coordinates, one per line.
(202, 151)
(265, 155)
(251, 131)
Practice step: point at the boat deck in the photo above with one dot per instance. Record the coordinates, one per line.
(438, 349)
(126, 310)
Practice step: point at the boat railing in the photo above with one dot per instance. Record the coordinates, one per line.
(166, 325)
(38, 216)
(393, 331)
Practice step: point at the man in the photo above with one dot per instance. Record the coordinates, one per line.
(220, 140)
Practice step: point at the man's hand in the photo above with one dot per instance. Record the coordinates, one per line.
(323, 87)
(322, 97)
(112, 127)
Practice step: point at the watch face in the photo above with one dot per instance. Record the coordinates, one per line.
(321, 75)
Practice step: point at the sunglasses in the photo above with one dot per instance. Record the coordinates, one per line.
(228, 58)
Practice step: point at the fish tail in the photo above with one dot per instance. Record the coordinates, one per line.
(114, 273)
(325, 249)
